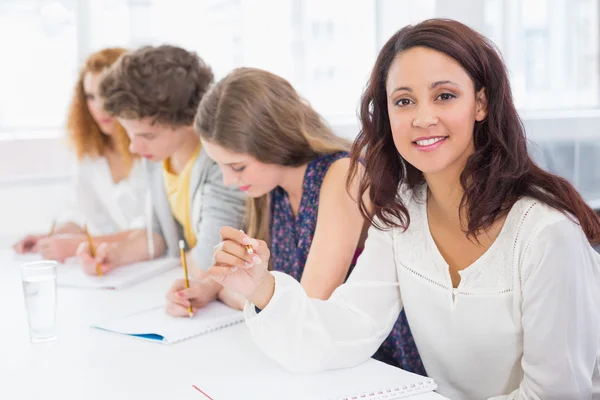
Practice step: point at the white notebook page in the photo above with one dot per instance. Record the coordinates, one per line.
(168, 329)
(260, 377)
(72, 275)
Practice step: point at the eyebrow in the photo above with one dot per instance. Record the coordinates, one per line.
(432, 86)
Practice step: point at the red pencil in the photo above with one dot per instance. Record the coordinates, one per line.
(198, 389)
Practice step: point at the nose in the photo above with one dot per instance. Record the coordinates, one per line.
(228, 178)
(425, 117)
(425, 121)
(95, 107)
(134, 146)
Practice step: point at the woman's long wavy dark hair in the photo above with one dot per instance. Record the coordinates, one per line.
(496, 175)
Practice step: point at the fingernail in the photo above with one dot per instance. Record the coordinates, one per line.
(233, 269)
(248, 265)
(246, 240)
(254, 243)
(256, 260)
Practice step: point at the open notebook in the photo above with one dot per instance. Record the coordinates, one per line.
(72, 275)
(372, 380)
(156, 325)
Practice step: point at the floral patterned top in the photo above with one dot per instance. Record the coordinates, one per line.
(291, 238)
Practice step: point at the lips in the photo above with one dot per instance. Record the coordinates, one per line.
(429, 143)
(244, 188)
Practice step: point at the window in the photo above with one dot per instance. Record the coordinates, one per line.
(324, 48)
(551, 48)
(38, 43)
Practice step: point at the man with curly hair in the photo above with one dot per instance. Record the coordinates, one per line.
(154, 93)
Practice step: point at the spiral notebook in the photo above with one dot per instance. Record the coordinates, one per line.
(156, 325)
(71, 274)
(263, 378)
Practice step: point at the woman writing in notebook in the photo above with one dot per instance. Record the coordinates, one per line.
(108, 186)
(275, 147)
(489, 255)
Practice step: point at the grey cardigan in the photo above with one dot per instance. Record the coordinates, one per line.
(213, 205)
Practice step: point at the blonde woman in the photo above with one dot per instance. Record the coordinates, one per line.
(108, 185)
(275, 147)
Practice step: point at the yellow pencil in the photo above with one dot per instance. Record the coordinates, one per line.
(185, 273)
(249, 248)
(52, 228)
(92, 249)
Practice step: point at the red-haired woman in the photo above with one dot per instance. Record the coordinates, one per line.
(109, 183)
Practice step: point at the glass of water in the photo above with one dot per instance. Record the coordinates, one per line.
(39, 290)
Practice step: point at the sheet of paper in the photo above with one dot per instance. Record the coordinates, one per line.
(156, 324)
(372, 380)
(71, 274)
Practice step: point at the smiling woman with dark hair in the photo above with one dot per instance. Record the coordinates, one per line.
(488, 255)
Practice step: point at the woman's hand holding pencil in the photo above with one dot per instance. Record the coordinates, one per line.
(103, 261)
(186, 296)
(240, 264)
(199, 293)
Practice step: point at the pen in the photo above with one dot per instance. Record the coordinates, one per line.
(201, 391)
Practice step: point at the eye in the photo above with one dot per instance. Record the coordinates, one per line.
(238, 169)
(402, 102)
(446, 96)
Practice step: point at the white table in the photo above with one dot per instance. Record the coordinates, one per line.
(86, 363)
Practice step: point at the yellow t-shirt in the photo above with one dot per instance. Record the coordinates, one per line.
(178, 193)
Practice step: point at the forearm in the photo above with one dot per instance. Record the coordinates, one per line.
(134, 247)
(198, 274)
(321, 289)
(311, 335)
(118, 236)
(263, 293)
(233, 300)
(68, 228)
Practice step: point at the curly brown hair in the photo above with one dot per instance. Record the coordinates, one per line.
(496, 175)
(84, 133)
(164, 83)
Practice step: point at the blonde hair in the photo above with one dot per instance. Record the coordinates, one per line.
(83, 132)
(255, 112)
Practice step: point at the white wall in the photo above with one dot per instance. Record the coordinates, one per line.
(29, 199)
